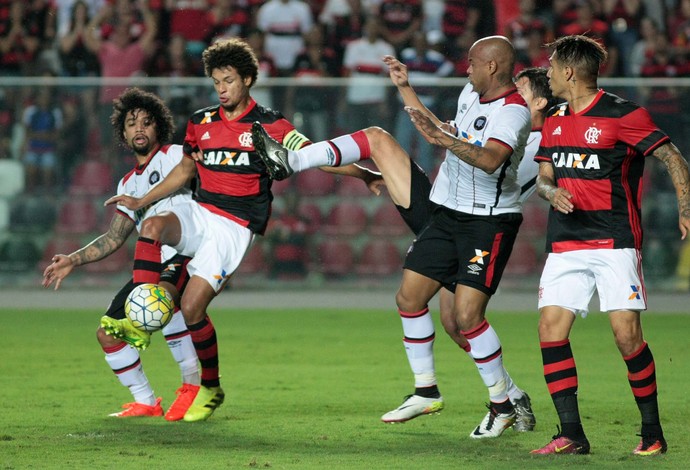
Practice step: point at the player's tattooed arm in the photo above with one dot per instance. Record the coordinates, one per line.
(677, 168)
(118, 232)
(559, 198)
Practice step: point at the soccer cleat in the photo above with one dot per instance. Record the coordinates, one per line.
(139, 409)
(271, 152)
(564, 445)
(205, 403)
(185, 396)
(124, 330)
(493, 424)
(651, 445)
(413, 406)
(524, 419)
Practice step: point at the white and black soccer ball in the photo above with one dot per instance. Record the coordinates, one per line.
(149, 307)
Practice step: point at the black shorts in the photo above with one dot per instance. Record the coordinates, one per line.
(418, 214)
(459, 248)
(174, 272)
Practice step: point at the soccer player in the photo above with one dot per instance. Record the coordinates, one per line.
(410, 188)
(144, 125)
(591, 162)
(233, 202)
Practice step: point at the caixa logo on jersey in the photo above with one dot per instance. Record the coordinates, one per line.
(226, 158)
(576, 160)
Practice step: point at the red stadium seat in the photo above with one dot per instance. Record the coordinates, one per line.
(315, 182)
(387, 221)
(311, 213)
(121, 260)
(345, 218)
(92, 178)
(254, 261)
(524, 259)
(535, 214)
(58, 246)
(379, 258)
(349, 187)
(77, 216)
(334, 258)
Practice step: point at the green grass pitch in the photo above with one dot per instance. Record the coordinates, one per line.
(305, 389)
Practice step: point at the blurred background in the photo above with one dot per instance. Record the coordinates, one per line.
(63, 61)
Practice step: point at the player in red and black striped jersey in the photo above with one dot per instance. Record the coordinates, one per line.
(233, 202)
(591, 161)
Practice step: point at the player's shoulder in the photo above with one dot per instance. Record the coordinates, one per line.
(204, 115)
(614, 106)
(514, 98)
(262, 114)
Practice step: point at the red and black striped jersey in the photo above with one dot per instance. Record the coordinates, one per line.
(233, 181)
(598, 156)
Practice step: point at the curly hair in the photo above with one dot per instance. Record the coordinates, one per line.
(234, 53)
(136, 98)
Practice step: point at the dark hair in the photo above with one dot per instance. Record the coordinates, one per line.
(234, 53)
(580, 52)
(539, 84)
(136, 98)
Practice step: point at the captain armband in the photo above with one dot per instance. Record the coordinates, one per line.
(294, 140)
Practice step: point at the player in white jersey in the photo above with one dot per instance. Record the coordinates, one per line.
(409, 188)
(143, 123)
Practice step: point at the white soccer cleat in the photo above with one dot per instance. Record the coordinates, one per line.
(493, 424)
(413, 406)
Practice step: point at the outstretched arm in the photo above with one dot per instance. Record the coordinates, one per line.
(397, 71)
(177, 178)
(488, 158)
(103, 246)
(678, 170)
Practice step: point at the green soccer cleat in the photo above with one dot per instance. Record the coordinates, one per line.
(124, 330)
(205, 403)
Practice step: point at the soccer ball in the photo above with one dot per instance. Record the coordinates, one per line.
(149, 307)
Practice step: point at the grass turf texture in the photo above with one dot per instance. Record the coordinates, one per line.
(306, 389)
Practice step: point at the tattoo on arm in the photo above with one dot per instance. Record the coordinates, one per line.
(680, 176)
(120, 229)
(468, 153)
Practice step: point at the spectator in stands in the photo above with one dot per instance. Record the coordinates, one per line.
(400, 20)
(679, 27)
(469, 18)
(535, 54)
(77, 60)
(644, 48)
(19, 42)
(228, 18)
(343, 20)
(267, 67)
(422, 63)
(587, 23)
(72, 138)
(519, 28)
(190, 19)
(563, 13)
(310, 106)
(285, 22)
(122, 54)
(42, 122)
(624, 16)
(365, 98)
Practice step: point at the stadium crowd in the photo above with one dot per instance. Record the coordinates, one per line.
(52, 130)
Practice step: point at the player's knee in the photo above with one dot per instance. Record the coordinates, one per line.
(407, 303)
(105, 340)
(152, 228)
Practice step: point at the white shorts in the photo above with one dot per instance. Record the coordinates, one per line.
(215, 243)
(570, 278)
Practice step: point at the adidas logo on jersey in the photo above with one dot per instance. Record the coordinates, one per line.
(557, 131)
(206, 136)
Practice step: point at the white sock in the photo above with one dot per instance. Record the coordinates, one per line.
(124, 360)
(418, 328)
(488, 357)
(340, 151)
(180, 343)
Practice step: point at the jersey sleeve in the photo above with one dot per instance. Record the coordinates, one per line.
(122, 209)
(637, 129)
(512, 119)
(190, 142)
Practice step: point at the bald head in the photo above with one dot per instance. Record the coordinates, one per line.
(500, 50)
